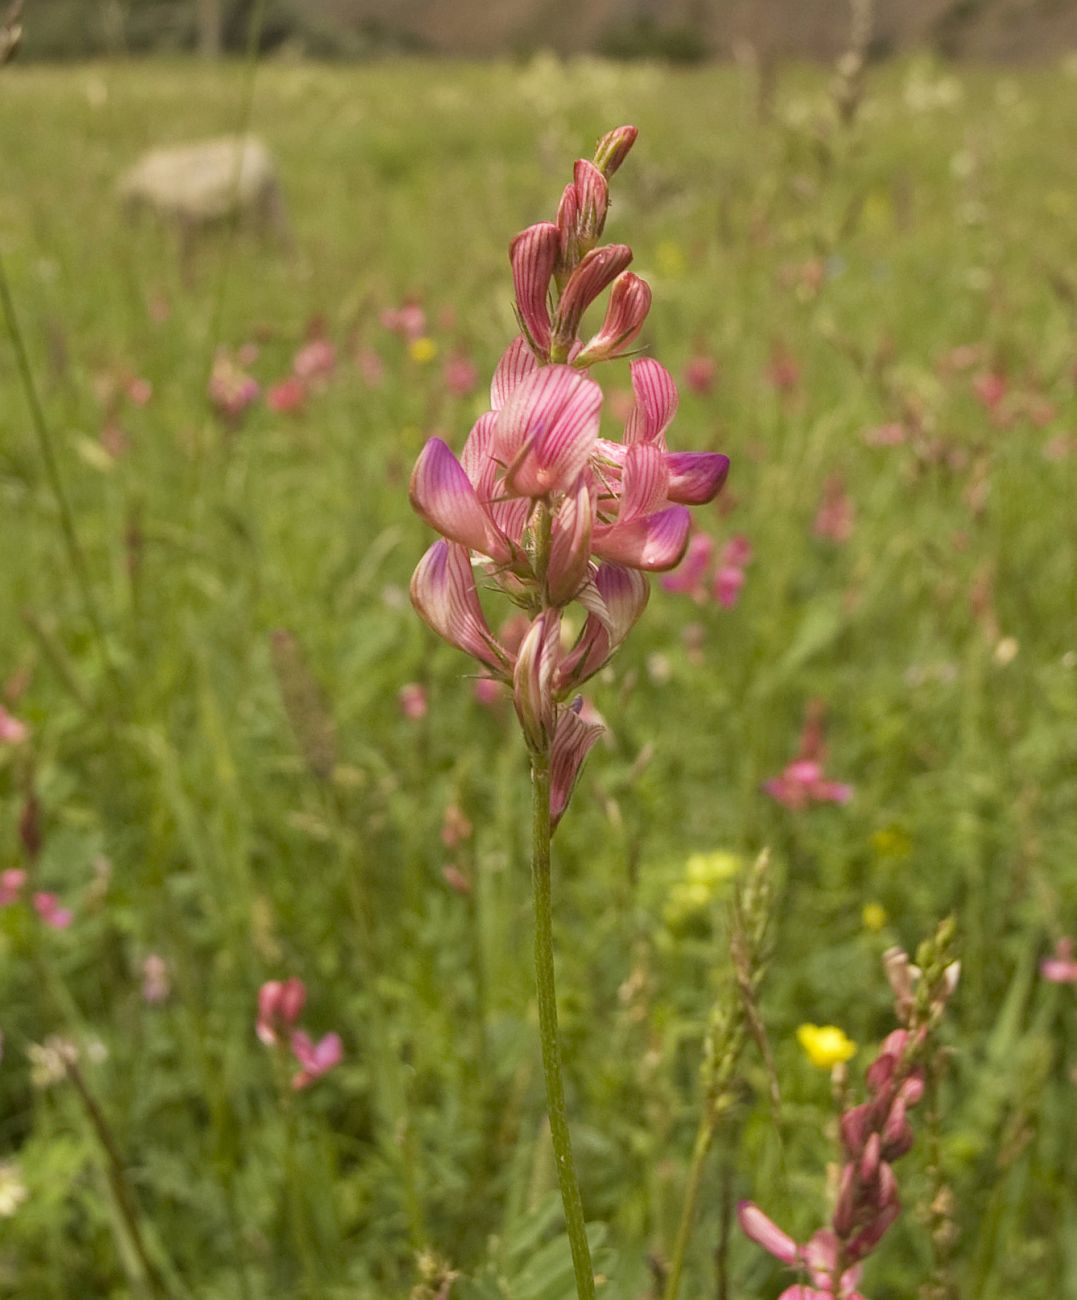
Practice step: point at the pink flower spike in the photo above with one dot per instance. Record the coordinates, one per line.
(652, 542)
(280, 1004)
(570, 544)
(546, 432)
(599, 268)
(12, 730)
(532, 680)
(629, 304)
(688, 575)
(613, 148)
(1059, 969)
(656, 401)
(11, 885)
(728, 582)
(48, 907)
(517, 362)
(534, 253)
(696, 477)
(443, 593)
(572, 742)
(413, 702)
(757, 1227)
(441, 493)
(315, 1059)
(287, 396)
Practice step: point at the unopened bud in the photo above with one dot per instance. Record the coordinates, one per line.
(613, 148)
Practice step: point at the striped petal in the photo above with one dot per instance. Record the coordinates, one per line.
(572, 742)
(629, 304)
(653, 542)
(570, 544)
(532, 678)
(644, 481)
(696, 477)
(656, 401)
(443, 593)
(599, 268)
(592, 197)
(547, 430)
(624, 594)
(534, 253)
(517, 362)
(442, 494)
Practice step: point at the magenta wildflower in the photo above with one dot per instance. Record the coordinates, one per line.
(315, 1059)
(52, 913)
(541, 507)
(803, 781)
(12, 730)
(1061, 968)
(280, 1004)
(12, 882)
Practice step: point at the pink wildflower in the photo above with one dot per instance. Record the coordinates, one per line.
(728, 582)
(315, 361)
(835, 517)
(413, 702)
(738, 551)
(315, 1059)
(803, 783)
(287, 396)
(460, 375)
(231, 389)
(11, 885)
(990, 387)
(1062, 967)
(139, 390)
(700, 373)
(408, 320)
(280, 1004)
(12, 730)
(48, 907)
(156, 982)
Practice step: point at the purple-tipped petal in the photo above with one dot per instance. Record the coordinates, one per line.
(696, 477)
(532, 679)
(652, 542)
(517, 362)
(443, 593)
(761, 1229)
(629, 304)
(546, 432)
(534, 253)
(572, 742)
(599, 268)
(643, 482)
(441, 493)
(656, 401)
(570, 544)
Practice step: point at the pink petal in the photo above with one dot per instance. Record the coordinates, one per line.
(688, 575)
(696, 477)
(570, 546)
(629, 304)
(800, 1292)
(534, 254)
(599, 268)
(568, 211)
(546, 432)
(532, 679)
(443, 592)
(656, 401)
(613, 148)
(572, 742)
(728, 582)
(761, 1229)
(517, 362)
(442, 494)
(643, 481)
(624, 594)
(652, 542)
(592, 198)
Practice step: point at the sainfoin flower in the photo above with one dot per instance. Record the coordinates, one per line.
(803, 781)
(1061, 967)
(315, 1059)
(51, 911)
(540, 505)
(280, 1004)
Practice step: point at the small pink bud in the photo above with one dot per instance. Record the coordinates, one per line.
(534, 253)
(11, 885)
(599, 268)
(280, 1004)
(728, 582)
(613, 148)
(532, 682)
(592, 194)
(757, 1227)
(626, 312)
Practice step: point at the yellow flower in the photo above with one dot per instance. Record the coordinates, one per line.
(422, 350)
(691, 898)
(874, 917)
(826, 1045)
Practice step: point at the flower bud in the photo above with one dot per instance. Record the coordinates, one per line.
(628, 306)
(600, 267)
(532, 682)
(613, 148)
(534, 253)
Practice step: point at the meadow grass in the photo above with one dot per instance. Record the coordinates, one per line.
(183, 812)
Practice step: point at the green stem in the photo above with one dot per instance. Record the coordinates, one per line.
(551, 1047)
(704, 1138)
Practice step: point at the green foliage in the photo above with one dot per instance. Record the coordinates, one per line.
(183, 810)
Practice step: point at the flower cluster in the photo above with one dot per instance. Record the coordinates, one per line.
(539, 505)
(46, 905)
(280, 1004)
(873, 1135)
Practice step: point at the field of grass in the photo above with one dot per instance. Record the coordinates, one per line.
(207, 632)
